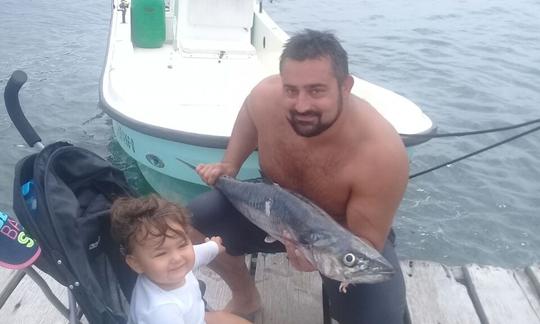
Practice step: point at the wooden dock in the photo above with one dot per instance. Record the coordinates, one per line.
(436, 294)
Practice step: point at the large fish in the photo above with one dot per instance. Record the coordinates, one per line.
(284, 215)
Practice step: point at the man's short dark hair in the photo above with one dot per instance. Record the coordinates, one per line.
(312, 44)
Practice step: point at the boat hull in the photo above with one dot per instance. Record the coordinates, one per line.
(159, 162)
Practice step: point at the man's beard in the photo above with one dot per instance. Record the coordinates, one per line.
(311, 129)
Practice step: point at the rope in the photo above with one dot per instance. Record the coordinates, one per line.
(481, 150)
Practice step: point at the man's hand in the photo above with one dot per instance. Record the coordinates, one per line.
(209, 173)
(297, 258)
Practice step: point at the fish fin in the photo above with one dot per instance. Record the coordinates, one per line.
(264, 179)
(268, 207)
(343, 287)
(192, 166)
(287, 235)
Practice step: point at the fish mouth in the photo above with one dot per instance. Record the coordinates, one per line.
(387, 273)
(381, 272)
(374, 274)
(378, 272)
(373, 277)
(382, 266)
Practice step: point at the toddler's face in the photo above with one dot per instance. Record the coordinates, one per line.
(166, 264)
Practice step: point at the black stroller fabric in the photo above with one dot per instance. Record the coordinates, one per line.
(75, 189)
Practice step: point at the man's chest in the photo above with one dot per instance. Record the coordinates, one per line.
(318, 177)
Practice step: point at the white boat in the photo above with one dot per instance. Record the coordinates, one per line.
(180, 100)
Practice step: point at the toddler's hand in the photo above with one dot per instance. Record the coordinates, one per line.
(219, 242)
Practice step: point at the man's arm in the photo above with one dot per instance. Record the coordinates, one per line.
(242, 143)
(377, 192)
(243, 140)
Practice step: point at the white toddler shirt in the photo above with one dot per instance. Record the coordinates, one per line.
(184, 305)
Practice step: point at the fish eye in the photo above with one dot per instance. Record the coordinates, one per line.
(349, 259)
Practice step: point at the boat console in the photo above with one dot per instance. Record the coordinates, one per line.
(214, 27)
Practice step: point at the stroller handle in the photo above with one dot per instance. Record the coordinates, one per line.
(13, 106)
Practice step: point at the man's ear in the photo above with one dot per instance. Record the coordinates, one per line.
(133, 263)
(348, 83)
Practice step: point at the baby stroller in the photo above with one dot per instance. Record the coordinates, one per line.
(62, 196)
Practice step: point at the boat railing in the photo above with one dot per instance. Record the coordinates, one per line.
(267, 38)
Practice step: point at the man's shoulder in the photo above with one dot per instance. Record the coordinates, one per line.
(265, 94)
(381, 146)
(372, 125)
(267, 87)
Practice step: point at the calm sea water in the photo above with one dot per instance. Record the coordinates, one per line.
(470, 65)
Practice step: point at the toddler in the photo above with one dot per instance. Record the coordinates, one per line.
(153, 235)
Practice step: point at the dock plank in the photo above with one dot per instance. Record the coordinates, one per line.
(529, 290)
(5, 276)
(533, 272)
(498, 296)
(288, 296)
(9, 279)
(434, 295)
(27, 304)
(217, 292)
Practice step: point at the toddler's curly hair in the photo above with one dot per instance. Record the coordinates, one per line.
(134, 219)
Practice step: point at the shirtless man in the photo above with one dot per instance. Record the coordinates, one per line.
(313, 137)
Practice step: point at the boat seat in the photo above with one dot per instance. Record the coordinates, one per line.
(221, 27)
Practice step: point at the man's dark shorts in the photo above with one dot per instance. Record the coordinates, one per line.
(384, 302)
